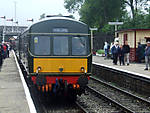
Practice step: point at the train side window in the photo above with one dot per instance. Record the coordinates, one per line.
(42, 45)
(79, 46)
(60, 45)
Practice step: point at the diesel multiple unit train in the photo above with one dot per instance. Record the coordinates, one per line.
(56, 53)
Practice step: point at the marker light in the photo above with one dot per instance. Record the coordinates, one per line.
(82, 69)
(74, 86)
(50, 87)
(43, 88)
(46, 88)
(78, 86)
(38, 69)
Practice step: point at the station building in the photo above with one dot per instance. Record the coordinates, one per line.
(133, 36)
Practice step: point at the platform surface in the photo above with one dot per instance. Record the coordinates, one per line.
(137, 68)
(12, 95)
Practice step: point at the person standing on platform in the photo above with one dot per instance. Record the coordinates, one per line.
(140, 52)
(147, 55)
(126, 48)
(5, 51)
(106, 49)
(8, 49)
(115, 52)
(1, 55)
(121, 55)
(112, 44)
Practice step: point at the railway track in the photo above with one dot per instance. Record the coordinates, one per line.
(93, 103)
(124, 100)
(61, 106)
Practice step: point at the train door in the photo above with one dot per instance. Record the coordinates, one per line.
(125, 38)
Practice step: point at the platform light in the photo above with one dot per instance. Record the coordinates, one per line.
(115, 24)
(92, 30)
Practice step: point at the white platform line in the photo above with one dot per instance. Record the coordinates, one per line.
(134, 73)
(27, 93)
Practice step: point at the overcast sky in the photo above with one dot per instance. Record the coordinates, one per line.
(27, 9)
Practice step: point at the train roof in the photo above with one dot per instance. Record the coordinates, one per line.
(58, 18)
(55, 18)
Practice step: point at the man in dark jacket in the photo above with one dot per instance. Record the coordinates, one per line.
(121, 55)
(115, 52)
(140, 52)
(126, 49)
(147, 55)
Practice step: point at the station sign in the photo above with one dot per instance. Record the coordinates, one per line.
(93, 29)
(115, 23)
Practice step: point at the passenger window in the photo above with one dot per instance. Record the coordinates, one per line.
(42, 45)
(60, 45)
(79, 46)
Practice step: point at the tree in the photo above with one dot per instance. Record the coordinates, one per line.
(135, 5)
(96, 12)
(73, 5)
(100, 12)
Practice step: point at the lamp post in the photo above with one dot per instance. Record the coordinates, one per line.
(4, 29)
(15, 21)
(92, 29)
(115, 24)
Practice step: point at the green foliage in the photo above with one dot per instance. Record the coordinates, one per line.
(107, 29)
(140, 21)
(73, 5)
(97, 13)
(100, 51)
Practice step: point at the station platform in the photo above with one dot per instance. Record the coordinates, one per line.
(134, 68)
(12, 95)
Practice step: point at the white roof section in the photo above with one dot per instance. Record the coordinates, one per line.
(54, 18)
(57, 18)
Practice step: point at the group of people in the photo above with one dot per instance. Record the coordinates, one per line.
(121, 52)
(4, 52)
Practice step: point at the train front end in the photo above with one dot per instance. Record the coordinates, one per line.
(60, 56)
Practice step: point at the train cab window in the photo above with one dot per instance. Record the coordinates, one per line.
(79, 46)
(42, 45)
(60, 45)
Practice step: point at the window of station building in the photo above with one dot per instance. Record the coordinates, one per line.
(79, 46)
(60, 45)
(42, 45)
